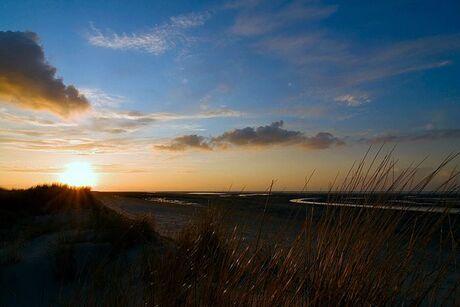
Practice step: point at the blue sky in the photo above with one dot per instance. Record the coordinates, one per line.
(360, 71)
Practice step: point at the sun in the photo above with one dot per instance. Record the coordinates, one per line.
(79, 174)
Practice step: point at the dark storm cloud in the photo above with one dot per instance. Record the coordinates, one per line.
(28, 81)
(263, 136)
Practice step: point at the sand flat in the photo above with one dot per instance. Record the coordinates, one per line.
(169, 218)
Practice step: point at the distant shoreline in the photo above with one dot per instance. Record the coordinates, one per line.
(304, 201)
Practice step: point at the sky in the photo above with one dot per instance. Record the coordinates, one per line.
(209, 95)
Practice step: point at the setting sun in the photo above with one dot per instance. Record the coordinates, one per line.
(78, 174)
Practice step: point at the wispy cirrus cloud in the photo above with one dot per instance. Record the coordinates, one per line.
(332, 65)
(99, 168)
(128, 121)
(78, 145)
(353, 100)
(258, 19)
(339, 65)
(31, 120)
(26, 169)
(253, 137)
(428, 135)
(143, 119)
(190, 20)
(28, 81)
(26, 132)
(99, 98)
(102, 120)
(156, 41)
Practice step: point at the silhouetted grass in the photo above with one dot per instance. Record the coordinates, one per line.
(43, 199)
(346, 257)
(340, 257)
(122, 232)
(10, 253)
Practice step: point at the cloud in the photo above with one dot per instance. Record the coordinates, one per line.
(190, 20)
(403, 57)
(419, 47)
(117, 122)
(354, 100)
(99, 168)
(322, 140)
(274, 134)
(97, 122)
(392, 68)
(31, 120)
(429, 135)
(78, 145)
(99, 98)
(310, 112)
(263, 136)
(260, 136)
(256, 22)
(241, 4)
(28, 81)
(149, 117)
(120, 169)
(117, 126)
(26, 132)
(334, 64)
(220, 113)
(44, 170)
(186, 142)
(313, 54)
(156, 41)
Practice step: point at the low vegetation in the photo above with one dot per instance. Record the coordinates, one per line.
(340, 256)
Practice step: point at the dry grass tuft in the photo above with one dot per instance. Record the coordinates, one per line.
(341, 257)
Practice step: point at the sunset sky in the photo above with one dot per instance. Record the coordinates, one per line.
(207, 95)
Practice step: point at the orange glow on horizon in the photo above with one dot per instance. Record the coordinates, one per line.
(79, 174)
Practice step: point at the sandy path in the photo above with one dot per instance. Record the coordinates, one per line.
(169, 218)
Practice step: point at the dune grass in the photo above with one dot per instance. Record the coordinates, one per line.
(11, 253)
(344, 257)
(42, 199)
(340, 257)
(360, 259)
